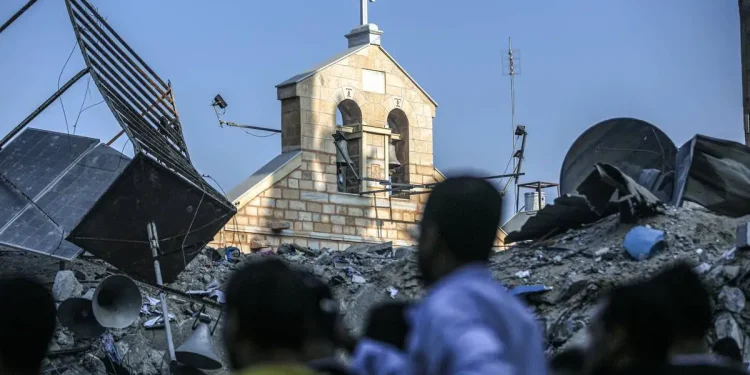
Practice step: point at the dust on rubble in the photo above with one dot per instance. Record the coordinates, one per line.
(576, 266)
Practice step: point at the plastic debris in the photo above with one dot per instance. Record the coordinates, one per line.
(158, 322)
(529, 289)
(642, 242)
(358, 279)
(523, 274)
(392, 291)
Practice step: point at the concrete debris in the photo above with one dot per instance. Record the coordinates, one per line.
(66, 285)
(563, 278)
(64, 339)
(731, 299)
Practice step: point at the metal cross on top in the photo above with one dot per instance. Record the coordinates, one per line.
(363, 11)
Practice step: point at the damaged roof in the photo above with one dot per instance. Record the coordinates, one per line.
(297, 78)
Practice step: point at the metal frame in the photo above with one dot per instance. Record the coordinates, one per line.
(537, 186)
(233, 124)
(16, 15)
(140, 100)
(404, 188)
(42, 107)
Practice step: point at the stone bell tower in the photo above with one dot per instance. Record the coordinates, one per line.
(362, 102)
(385, 116)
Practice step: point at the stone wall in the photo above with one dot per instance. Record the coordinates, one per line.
(320, 95)
(317, 215)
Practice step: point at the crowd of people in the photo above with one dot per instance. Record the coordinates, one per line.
(282, 320)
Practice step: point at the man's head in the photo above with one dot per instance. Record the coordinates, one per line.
(567, 362)
(631, 330)
(325, 318)
(269, 314)
(29, 315)
(459, 225)
(690, 302)
(388, 323)
(728, 348)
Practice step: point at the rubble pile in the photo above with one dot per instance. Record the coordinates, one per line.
(562, 278)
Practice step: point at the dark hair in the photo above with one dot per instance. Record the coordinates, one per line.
(689, 300)
(639, 310)
(466, 212)
(388, 323)
(728, 347)
(29, 316)
(272, 305)
(325, 308)
(568, 360)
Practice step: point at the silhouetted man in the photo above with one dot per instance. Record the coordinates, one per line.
(382, 349)
(320, 348)
(567, 362)
(468, 323)
(631, 333)
(270, 317)
(689, 302)
(28, 316)
(728, 348)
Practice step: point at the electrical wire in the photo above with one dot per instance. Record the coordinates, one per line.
(93, 105)
(259, 136)
(234, 217)
(184, 259)
(59, 78)
(83, 102)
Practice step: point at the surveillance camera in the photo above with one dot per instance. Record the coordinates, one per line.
(372, 1)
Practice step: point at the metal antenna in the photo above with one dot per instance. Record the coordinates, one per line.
(512, 68)
(511, 71)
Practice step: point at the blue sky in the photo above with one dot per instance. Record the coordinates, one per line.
(674, 63)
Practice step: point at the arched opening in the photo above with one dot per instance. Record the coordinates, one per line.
(348, 113)
(399, 149)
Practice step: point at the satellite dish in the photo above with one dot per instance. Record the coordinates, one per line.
(629, 144)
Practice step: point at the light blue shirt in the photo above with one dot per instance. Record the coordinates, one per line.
(470, 324)
(377, 358)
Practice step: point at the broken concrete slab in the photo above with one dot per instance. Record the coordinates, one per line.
(731, 299)
(380, 248)
(66, 285)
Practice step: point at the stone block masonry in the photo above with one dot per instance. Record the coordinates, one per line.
(318, 218)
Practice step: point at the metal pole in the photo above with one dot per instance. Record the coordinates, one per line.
(539, 194)
(363, 12)
(42, 107)
(236, 125)
(153, 240)
(15, 16)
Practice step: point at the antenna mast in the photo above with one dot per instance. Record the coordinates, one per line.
(512, 68)
(512, 74)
